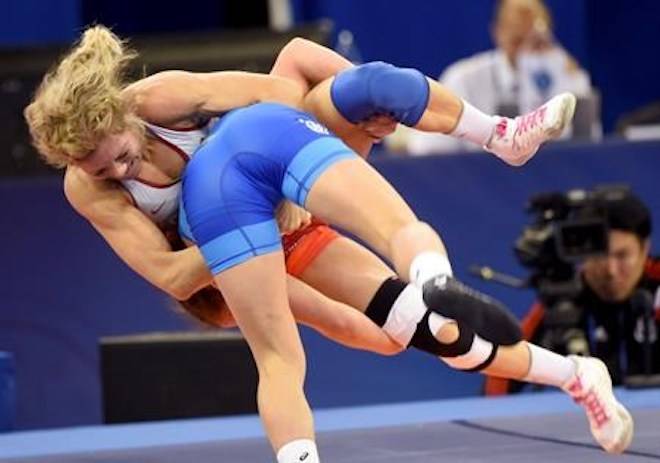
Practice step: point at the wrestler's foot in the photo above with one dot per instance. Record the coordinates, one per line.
(515, 141)
(591, 386)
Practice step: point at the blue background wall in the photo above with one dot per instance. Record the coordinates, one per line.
(33, 22)
(62, 288)
(612, 39)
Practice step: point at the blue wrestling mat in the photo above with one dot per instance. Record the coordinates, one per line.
(542, 427)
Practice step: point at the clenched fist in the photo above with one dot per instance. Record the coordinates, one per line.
(290, 217)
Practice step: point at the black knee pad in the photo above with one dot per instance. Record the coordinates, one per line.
(461, 353)
(466, 353)
(485, 364)
(425, 340)
(487, 317)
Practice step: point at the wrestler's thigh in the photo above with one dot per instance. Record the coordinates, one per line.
(352, 195)
(256, 294)
(347, 272)
(319, 103)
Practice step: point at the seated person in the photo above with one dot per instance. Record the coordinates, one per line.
(526, 67)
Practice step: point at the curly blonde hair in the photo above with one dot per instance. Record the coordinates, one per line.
(79, 101)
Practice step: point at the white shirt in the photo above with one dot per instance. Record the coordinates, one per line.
(489, 82)
(161, 202)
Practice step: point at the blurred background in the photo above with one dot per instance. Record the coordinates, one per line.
(63, 290)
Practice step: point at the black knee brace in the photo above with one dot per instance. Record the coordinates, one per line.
(458, 354)
(383, 303)
(426, 341)
(487, 317)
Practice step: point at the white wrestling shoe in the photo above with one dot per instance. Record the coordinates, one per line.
(515, 141)
(611, 424)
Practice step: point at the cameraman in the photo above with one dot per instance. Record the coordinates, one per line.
(619, 300)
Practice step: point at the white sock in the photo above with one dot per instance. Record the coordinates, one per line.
(427, 265)
(474, 125)
(298, 451)
(548, 368)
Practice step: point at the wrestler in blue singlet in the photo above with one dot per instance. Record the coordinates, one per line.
(258, 155)
(254, 157)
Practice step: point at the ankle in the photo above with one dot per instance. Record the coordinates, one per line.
(549, 368)
(474, 125)
(298, 450)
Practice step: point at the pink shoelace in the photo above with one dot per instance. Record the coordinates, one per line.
(530, 121)
(591, 402)
(500, 128)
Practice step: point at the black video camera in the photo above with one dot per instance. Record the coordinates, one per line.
(567, 228)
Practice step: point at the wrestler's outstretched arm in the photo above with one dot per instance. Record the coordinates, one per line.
(135, 238)
(336, 321)
(171, 98)
(308, 63)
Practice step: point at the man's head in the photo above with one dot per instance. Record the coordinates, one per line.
(521, 24)
(615, 276)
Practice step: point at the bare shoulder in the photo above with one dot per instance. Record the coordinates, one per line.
(141, 94)
(155, 83)
(77, 187)
(152, 96)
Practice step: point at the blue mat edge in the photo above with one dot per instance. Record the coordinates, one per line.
(181, 432)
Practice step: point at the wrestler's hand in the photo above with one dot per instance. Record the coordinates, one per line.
(290, 217)
(379, 126)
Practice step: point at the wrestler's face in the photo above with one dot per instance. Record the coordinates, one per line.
(117, 157)
(613, 277)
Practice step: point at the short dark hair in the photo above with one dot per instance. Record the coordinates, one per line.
(628, 213)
